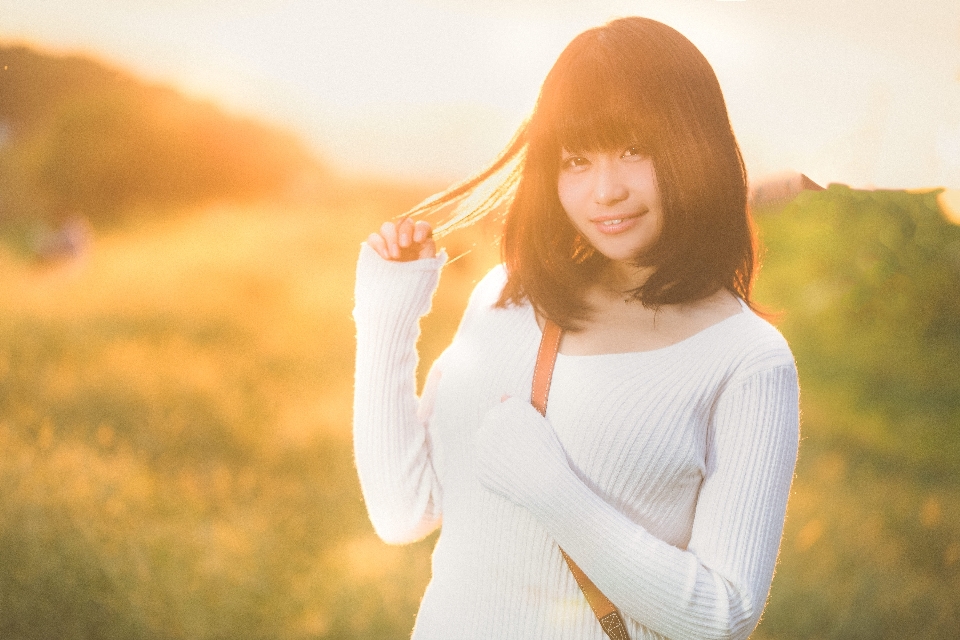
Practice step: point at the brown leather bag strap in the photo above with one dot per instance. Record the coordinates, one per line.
(606, 613)
(546, 358)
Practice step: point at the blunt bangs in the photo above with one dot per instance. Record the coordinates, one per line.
(588, 105)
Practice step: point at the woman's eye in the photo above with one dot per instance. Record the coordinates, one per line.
(574, 162)
(633, 151)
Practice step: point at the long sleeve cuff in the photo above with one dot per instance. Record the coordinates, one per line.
(401, 291)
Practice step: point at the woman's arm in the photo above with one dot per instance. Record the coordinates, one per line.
(391, 442)
(718, 585)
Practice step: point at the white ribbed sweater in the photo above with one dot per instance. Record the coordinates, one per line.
(664, 474)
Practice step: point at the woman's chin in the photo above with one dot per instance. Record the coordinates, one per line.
(625, 256)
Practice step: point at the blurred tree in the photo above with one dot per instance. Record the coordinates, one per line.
(872, 283)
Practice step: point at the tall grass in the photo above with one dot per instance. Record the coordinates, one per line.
(174, 421)
(174, 416)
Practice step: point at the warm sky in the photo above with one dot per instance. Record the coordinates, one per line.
(865, 92)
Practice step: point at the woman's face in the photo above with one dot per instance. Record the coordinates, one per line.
(611, 197)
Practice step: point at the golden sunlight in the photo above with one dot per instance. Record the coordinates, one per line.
(176, 342)
(949, 200)
(422, 89)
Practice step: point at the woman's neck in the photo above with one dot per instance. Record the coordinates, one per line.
(620, 323)
(619, 278)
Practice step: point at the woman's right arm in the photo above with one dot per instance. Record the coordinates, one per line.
(397, 274)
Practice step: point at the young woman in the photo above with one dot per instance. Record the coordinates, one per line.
(663, 464)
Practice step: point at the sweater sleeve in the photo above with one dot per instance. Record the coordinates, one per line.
(718, 585)
(390, 435)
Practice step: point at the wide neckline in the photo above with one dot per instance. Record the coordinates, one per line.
(744, 312)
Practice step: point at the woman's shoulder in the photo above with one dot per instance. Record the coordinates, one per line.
(759, 345)
(486, 294)
(483, 312)
(487, 291)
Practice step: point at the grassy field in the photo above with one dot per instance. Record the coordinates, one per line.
(175, 427)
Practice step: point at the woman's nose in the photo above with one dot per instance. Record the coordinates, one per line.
(609, 187)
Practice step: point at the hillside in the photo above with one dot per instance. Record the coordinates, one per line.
(80, 138)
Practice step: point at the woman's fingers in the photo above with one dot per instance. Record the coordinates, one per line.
(426, 250)
(405, 233)
(423, 236)
(421, 231)
(389, 232)
(378, 244)
(406, 240)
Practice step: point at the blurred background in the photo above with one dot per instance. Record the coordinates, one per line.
(183, 188)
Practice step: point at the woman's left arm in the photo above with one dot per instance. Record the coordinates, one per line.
(718, 585)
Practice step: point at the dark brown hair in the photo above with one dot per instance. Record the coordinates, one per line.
(631, 82)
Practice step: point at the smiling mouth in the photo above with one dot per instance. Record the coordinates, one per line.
(612, 222)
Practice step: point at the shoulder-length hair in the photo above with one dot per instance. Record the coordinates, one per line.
(631, 82)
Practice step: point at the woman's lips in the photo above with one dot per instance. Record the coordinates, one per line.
(612, 225)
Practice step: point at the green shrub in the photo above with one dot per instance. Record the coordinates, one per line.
(868, 283)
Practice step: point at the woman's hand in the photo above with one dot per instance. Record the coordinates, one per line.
(405, 241)
(518, 453)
